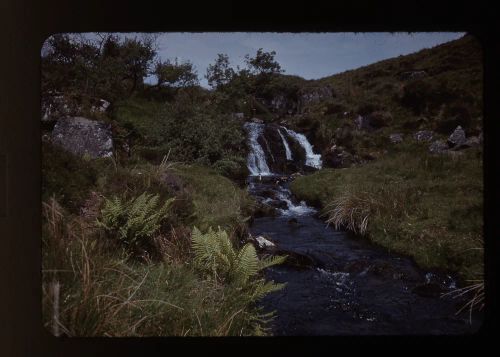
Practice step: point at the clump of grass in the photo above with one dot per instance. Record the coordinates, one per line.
(351, 211)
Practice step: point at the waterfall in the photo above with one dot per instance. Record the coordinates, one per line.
(256, 159)
(312, 159)
(287, 148)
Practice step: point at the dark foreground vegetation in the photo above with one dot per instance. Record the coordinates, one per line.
(151, 240)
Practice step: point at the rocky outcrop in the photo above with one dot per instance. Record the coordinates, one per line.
(372, 121)
(83, 136)
(457, 138)
(396, 138)
(313, 95)
(338, 157)
(409, 75)
(438, 147)
(57, 105)
(282, 104)
(423, 135)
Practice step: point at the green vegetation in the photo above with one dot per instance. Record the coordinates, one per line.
(425, 206)
(121, 256)
(90, 288)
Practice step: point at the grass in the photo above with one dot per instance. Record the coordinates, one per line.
(217, 200)
(91, 287)
(427, 207)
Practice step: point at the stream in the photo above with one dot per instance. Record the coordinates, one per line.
(347, 285)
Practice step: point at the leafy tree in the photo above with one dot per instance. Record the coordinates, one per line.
(263, 63)
(175, 74)
(220, 73)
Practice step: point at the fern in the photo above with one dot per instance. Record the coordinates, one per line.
(134, 221)
(215, 255)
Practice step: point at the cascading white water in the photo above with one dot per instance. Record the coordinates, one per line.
(312, 159)
(256, 160)
(287, 148)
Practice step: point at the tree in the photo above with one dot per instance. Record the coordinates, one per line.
(219, 73)
(263, 63)
(175, 74)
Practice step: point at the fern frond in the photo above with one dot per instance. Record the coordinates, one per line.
(270, 261)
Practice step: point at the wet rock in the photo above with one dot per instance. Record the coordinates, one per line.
(423, 135)
(357, 266)
(396, 138)
(278, 204)
(457, 138)
(430, 290)
(264, 243)
(297, 260)
(438, 147)
(83, 136)
(293, 221)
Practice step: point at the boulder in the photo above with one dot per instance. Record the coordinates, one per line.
(363, 123)
(264, 243)
(83, 136)
(423, 135)
(473, 141)
(239, 116)
(457, 138)
(396, 138)
(438, 147)
(257, 120)
(101, 106)
(338, 157)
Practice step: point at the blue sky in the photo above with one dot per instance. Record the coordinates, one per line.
(309, 55)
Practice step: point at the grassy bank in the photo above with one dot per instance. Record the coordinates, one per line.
(119, 257)
(411, 202)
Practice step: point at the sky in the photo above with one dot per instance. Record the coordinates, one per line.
(309, 55)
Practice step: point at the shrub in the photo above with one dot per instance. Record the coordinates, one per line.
(134, 222)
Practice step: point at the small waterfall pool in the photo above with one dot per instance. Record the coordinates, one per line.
(349, 286)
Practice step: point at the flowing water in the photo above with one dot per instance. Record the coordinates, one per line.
(347, 286)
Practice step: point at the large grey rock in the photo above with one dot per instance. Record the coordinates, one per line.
(83, 136)
(438, 147)
(396, 138)
(363, 123)
(423, 135)
(457, 138)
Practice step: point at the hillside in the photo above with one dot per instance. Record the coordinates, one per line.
(147, 198)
